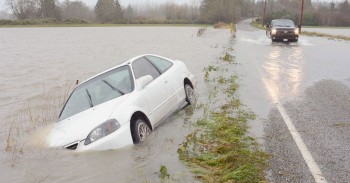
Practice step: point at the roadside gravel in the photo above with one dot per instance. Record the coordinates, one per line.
(322, 117)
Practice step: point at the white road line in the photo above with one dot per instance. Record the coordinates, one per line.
(314, 169)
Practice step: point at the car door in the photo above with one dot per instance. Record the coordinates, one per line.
(155, 93)
(174, 82)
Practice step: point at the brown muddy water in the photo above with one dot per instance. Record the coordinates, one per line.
(39, 67)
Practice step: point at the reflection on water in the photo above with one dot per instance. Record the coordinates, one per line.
(272, 68)
(284, 71)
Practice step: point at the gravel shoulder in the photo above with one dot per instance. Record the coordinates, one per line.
(322, 118)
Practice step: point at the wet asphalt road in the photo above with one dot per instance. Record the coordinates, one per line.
(310, 80)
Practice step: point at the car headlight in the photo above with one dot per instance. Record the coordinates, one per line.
(273, 31)
(102, 130)
(296, 31)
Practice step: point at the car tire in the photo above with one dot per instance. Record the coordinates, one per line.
(190, 95)
(140, 130)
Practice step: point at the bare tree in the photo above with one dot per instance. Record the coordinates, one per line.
(23, 9)
(5, 15)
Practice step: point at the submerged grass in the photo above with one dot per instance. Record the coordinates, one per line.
(257, 25)
(106, 25)
(220, 150)
(163, 172)
(317, 34)
(26, 116)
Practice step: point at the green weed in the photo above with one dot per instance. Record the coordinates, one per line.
(163, 172)
(220, 150)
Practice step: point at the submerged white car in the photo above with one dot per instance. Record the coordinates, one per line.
(122, 105)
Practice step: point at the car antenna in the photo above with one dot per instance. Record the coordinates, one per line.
(77, 82)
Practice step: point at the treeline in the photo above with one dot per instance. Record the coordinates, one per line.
(110, 11)
(315, 13)
(105, 11)
(196, 11)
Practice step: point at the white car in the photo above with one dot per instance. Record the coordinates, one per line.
(122, 105)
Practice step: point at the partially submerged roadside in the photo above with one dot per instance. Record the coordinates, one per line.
(51, 22)
(329, 36)
(104, 25)
(220, 150)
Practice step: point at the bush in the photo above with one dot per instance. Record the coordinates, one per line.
(48, 21)
(75, 21)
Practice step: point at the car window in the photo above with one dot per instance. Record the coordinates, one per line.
(161, 64)
(283, 23)
(143, 67)
(98, 90)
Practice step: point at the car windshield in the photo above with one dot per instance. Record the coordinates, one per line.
(283, 23)
(98, 90)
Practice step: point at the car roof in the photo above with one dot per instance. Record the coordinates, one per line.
(287, 20)
(127, 62)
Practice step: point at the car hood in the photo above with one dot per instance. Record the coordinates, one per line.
(76, 128)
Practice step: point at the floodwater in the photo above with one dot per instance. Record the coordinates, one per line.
(39, 67)
(278, 72)
(311, 81)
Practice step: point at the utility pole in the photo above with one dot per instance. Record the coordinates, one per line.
(263, 20)
(301, 16)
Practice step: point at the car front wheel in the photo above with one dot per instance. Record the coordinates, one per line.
(141, 130)
(190, 95)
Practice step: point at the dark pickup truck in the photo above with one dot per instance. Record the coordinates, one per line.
(282, 30)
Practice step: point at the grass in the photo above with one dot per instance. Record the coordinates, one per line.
(106, 25)
(317, 34)
(163, 172)
(257, 25)
(326, 27)
(219, 150)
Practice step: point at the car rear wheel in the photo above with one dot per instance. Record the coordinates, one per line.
(141, 130)
(190, 95)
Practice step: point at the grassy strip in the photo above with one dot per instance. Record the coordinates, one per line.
(326, 27)
(317, 34)
(106, 25)
(257, 25)
(220, 149)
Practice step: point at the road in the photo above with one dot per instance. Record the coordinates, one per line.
(300, 93)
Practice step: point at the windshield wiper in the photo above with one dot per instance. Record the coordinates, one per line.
(113, 88)
(90, 100)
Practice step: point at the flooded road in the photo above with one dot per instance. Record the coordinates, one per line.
(309, 80)
(38, 68)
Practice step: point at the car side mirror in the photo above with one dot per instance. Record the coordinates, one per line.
(143, 81)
